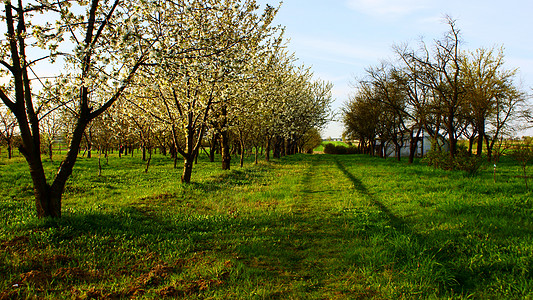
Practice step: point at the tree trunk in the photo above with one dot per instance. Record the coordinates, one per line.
(471, 144)
(88, 139)
(481, 135)
(490, 146)
(452, 142)
(413, 145)
(9, 150)
(277, 147)
(48, 198)
(242, 153)
(50, 154)
(100, 164)
(267, 150)
(148, 163)
(212, 147)
(225, 150)
(398, 151)
(47, 205)
(187, 169)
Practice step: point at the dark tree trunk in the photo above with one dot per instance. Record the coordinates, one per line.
(88, 140)
(48, 198)
(192, 145)
(267, 150)
(413, 145)
(471, 141)
(481, 135)
(490, 146)
(412, 150)
(148, 163)
(277, 147)
(50, 151)
(212, 147)
(242, 153)
(225, 150)
(47, 205)
(187, 169)
(173, 152)
(452, 141)
(9, 150)
(398, 151)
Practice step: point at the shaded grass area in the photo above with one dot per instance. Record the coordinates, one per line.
(303, 227)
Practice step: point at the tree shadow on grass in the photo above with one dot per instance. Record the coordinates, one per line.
(466, 233)
(358, 185)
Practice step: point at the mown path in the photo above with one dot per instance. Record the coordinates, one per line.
(332, 217)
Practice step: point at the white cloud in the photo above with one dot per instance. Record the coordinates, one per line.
(387, 8)
(342, 52)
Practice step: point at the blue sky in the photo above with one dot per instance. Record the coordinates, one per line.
(340, 38)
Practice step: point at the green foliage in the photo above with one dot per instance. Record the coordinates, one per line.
(462, 161)
(302, 227)
(312, 139)
(331, 148)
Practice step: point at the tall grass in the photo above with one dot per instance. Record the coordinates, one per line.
(303, 227)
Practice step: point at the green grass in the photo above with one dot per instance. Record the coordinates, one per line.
(302, 227)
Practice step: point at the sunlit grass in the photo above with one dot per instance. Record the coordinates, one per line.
(304, 227)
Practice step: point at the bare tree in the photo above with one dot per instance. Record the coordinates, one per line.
(441, 72)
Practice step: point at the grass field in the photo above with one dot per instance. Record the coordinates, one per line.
(302, 227)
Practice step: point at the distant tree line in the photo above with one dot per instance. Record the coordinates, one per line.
(438, 90)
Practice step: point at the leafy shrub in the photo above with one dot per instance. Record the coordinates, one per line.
(438, 160)
(329, 148)
(463, 161)
(339, 149)
(468, 163)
